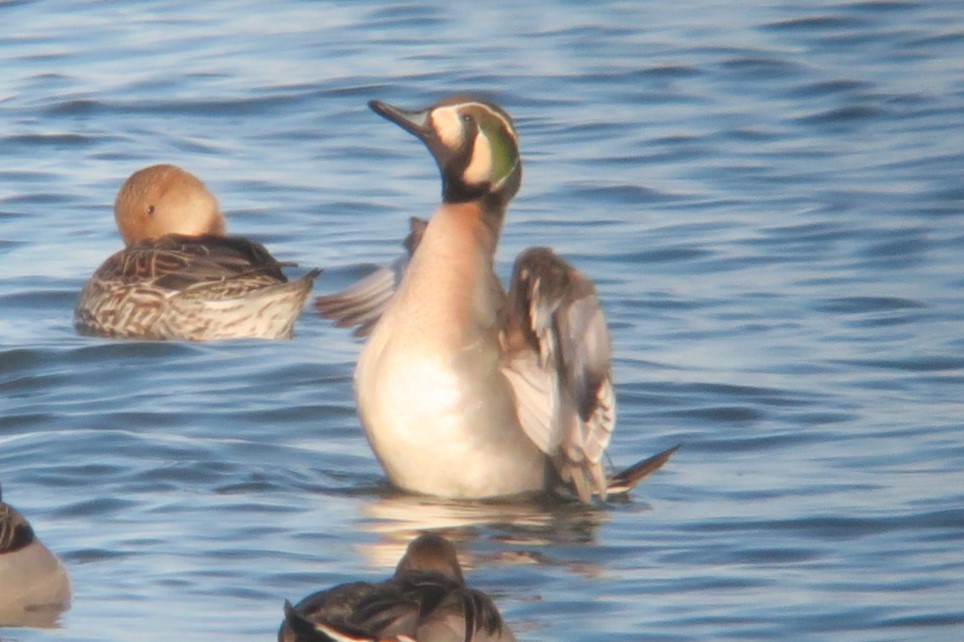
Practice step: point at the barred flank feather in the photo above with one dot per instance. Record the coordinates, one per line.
(194, 289)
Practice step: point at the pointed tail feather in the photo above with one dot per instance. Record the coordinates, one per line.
(624, 481)
(306, 630)
(303, 629)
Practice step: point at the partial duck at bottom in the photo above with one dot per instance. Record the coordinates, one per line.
(34, 585)
(426, 600)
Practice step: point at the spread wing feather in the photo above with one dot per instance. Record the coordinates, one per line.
(559, 364)
(362, 303)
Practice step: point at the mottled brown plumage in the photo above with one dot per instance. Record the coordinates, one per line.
(179, 277)
(425, 600)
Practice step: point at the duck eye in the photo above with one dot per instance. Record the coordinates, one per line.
(150, 210)
(467, 118)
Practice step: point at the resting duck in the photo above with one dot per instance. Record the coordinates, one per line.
(464, 391)
(425, 600)
(180, 277)
(32, 578)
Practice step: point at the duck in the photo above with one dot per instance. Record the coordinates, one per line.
(180, 276)
(425, 600)
(33, 578)
(465, 391)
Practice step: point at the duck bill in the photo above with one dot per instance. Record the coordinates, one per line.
(414, 122)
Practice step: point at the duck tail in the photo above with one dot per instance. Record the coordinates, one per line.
(624, 481)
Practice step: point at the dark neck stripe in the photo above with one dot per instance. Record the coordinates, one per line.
(455, 191)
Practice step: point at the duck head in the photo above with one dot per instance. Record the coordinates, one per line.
(165, 199)
(474, 143)
(430, 552)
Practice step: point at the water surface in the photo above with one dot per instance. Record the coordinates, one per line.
(769, 199)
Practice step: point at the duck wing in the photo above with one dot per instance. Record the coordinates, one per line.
(325, 615)
(557, 355)
(426, 605)
(558, 361)
(177, 263)
(362, 304)
(464, 615)
(15, 531)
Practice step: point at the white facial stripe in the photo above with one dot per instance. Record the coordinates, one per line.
(479, 169)
(448, 126)
(505, 123)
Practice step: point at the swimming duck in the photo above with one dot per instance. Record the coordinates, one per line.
(32, 578)
(180, 276)
(425, 600)
(464, 391)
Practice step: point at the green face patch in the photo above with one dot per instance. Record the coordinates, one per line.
(503, 143)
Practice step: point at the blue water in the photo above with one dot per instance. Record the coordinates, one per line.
(769, 198)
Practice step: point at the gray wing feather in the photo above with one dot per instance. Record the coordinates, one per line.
(362, 304)
(559, 366)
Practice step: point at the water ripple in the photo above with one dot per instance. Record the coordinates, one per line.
(768, 200)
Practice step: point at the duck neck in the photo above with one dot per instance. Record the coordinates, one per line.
(484, 214)
(492, 216)
(450, 285)
(476, 225)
